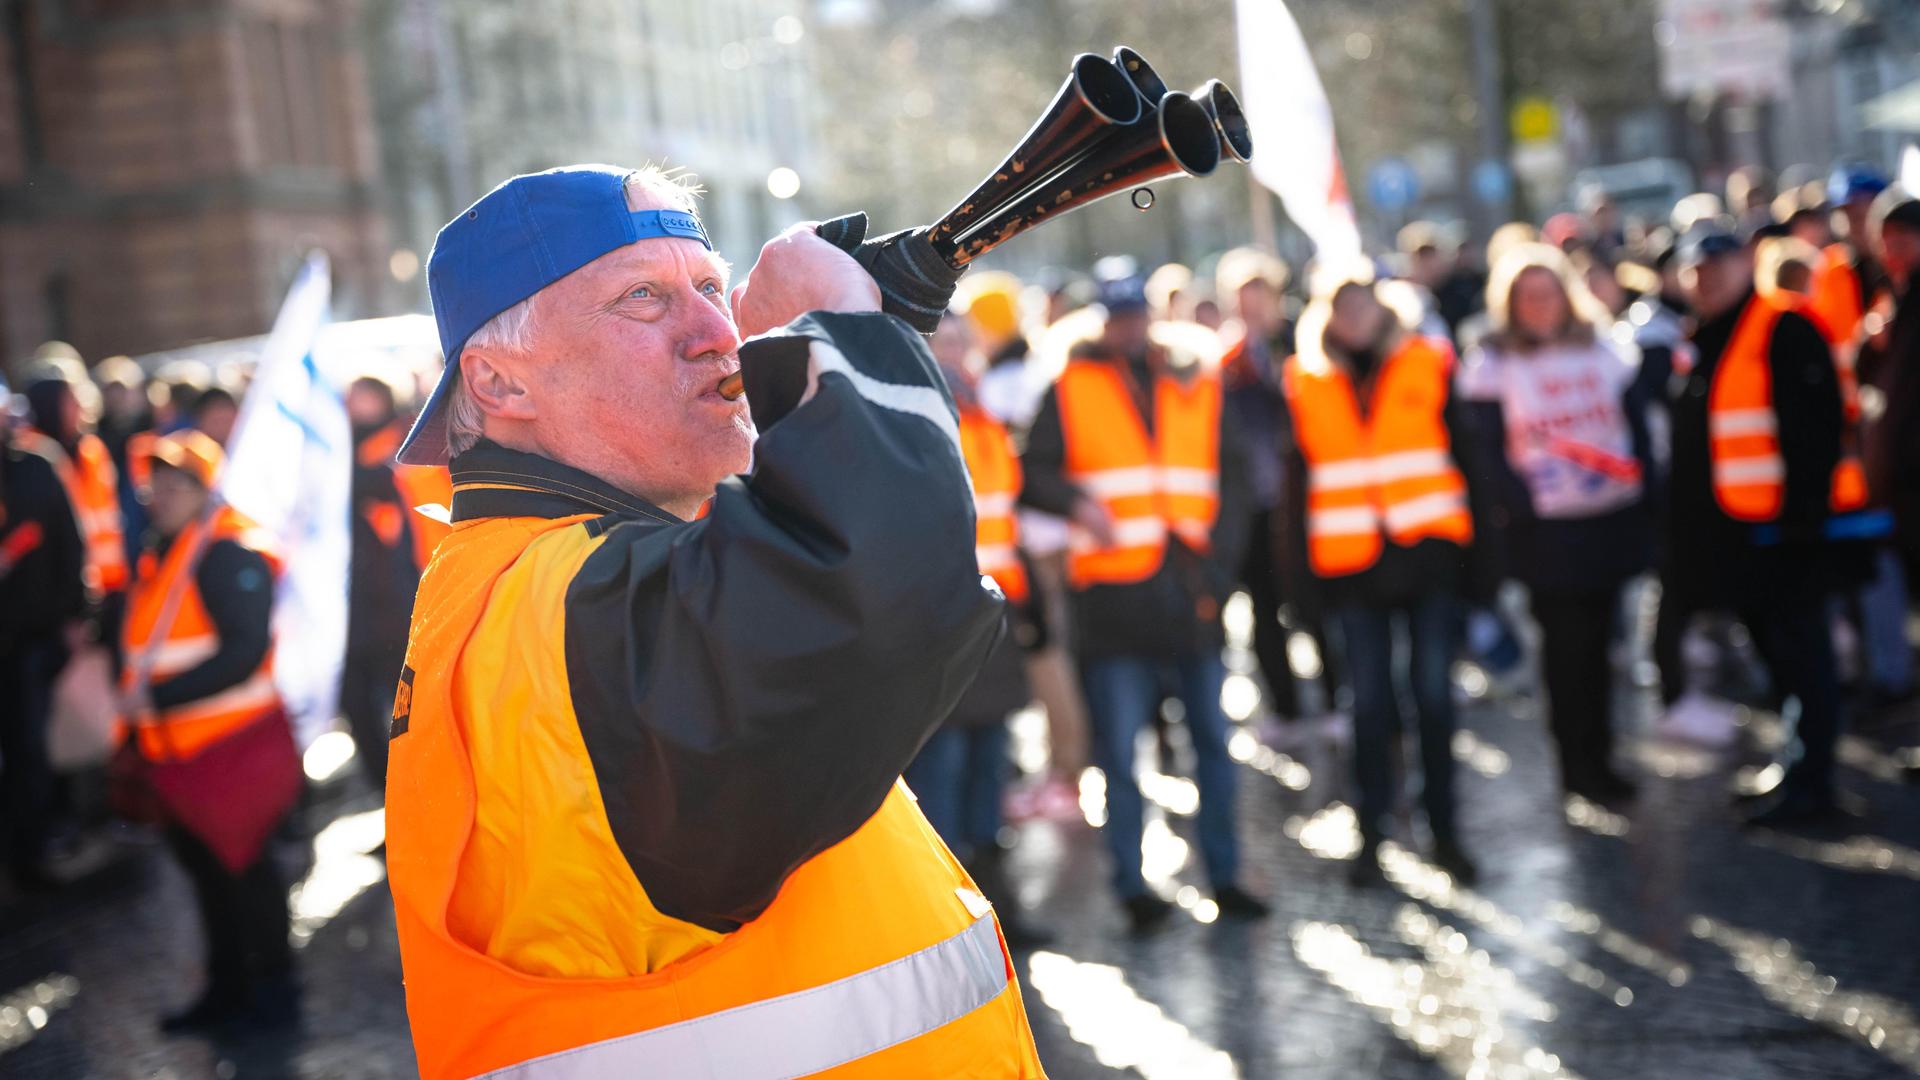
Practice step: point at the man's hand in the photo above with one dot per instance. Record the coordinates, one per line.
(798, 272)
(1092, 515)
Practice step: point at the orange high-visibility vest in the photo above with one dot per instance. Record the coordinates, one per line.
(877, 959)
(995, 470)
(419, 485)
(1749, 475)
(1152, 485)
(92, 486)
(185, 730)
(1836, 303)
(1387, 475)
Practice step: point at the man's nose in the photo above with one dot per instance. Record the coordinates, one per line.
(709, 331)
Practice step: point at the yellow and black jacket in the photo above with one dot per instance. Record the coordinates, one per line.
(644, 782)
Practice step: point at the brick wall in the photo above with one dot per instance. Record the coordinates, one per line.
(190, 151)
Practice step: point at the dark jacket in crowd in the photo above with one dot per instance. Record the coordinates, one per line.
(1552, 555)
(236, 587)
(1893, 440)
(45, 589)
(1158, 616)
(1251, 374)
(1705, 548)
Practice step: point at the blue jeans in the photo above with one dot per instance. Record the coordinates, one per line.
(1123, 692)
(958, 777)
(1432, 631)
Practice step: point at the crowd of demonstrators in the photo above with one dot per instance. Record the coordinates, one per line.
(132, 602)
(1722, 403)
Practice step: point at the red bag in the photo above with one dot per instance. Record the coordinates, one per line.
(230, 796)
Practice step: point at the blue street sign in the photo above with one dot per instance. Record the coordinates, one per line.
(1392, 184)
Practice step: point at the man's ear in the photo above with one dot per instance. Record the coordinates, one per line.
(497, 389)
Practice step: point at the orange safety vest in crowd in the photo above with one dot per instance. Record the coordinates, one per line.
(92, 485)
(185, 730)
(1836, 303)
(995, 470)
(877, 959)
(1152, 485)
(1390, 471)
(418, 485)
(1749, 475)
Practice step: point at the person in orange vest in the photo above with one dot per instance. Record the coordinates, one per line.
(1381, 535)
(1141, 457)
(87, 470)
(1757, 429)
(959, 776)
(644, 814)
(203, 631)
(392, 544)
(43, 601)
(1849, 279)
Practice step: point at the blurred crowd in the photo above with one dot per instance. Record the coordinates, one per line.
(1398, 462)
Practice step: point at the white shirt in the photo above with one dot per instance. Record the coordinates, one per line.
(1566, 427)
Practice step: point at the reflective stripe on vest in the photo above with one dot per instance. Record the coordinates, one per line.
(876, 959)
(187, 729)
(995, 471)
(1151, 485)
(1390, 473)
(807, 1031)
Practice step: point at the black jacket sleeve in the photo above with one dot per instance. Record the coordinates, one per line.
(236, 586)
(1806, 399)
(749, 686)
(46, 588)
(1044, 463)
(1484, 556)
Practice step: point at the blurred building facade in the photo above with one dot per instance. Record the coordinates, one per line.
(468, 93)
(164, 165)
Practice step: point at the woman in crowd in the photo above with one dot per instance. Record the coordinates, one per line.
(1544, 399)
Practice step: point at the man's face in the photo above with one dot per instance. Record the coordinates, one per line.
(1259, 306)
(1717, 284)
(1126, 333)
(366, 406)
(121, 401)
(216, 419)
(624, 366)
(174, 500)
(1900, 251)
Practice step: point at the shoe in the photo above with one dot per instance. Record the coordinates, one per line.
(1701, 720)
(1365, 872)
(1448, 856)
(1797, 808)
(214, 1010)
(1608, 788)
(1146, 912)
(1241, 904)
(276, 1003)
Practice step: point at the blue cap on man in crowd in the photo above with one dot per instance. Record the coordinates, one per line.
(1855, 180)
(522, 236)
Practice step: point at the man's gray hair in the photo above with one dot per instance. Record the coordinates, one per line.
(512, 330)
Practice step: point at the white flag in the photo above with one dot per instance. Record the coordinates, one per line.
(290, 469)
(1910, 169)
(1294, 152)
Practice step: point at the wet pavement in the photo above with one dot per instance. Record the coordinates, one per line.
(1658, 942)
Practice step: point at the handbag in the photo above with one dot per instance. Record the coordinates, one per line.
(80, 733)
(230, 796)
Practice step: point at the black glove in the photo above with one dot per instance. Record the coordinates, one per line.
(915, 283)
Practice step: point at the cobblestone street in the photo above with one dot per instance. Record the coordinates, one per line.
(1662, 943)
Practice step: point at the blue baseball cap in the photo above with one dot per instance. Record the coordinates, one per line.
(1855, 180)
(519, 238)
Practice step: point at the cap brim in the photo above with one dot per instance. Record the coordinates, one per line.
(426, 444)
(173, 456)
